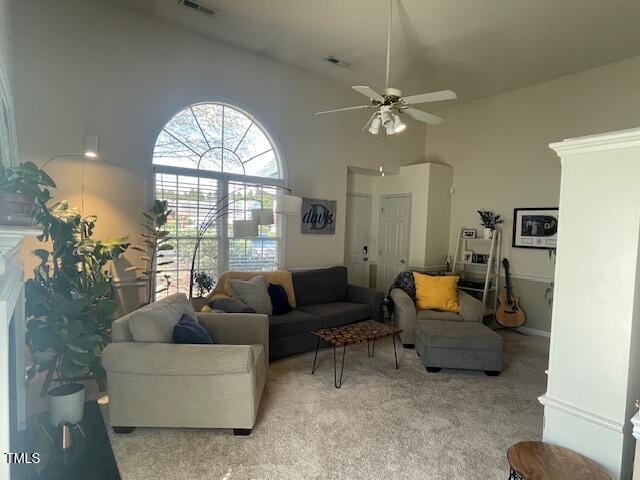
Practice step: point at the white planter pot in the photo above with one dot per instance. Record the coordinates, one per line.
(487, 233)
(66, 404)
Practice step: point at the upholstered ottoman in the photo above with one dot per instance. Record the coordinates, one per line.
(466, 345)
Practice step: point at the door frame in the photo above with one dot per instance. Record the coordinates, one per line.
(346, 230)
(408, 195)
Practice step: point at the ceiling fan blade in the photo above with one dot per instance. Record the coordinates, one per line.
(430, 97)
(359, 107)
(368, 92)
(425, 117)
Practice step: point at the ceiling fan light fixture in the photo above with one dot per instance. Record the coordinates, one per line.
(374, 128)
(397, 126)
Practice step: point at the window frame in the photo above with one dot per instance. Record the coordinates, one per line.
(225, 179)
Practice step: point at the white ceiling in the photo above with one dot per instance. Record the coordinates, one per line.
(475, 47)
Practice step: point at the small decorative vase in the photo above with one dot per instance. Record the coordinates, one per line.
(487, 233)
(66, 404)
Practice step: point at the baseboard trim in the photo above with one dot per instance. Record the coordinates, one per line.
(591, 417)
(534, 331)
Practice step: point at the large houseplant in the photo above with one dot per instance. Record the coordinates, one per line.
(155, 244)
(24, 193)
(69, 307)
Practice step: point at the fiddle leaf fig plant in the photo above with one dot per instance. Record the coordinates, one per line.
(155, 243)
(69, 299)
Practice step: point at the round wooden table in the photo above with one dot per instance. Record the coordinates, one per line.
(542, 461)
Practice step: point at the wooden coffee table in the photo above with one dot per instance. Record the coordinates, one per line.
(539, 460)
(368, 331)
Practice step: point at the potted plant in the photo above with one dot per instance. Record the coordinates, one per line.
(489, 221)
(69, 308)
(23, 191)
(155, 244)
(204, 284)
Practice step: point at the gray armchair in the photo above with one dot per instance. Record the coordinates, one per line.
(406, 315)
(161, 384)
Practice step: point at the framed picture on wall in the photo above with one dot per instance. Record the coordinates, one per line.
(318, 216)
(468, 233)
(535, 227)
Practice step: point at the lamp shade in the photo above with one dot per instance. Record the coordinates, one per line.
(264, 216)
(245, 228)
(287, 205)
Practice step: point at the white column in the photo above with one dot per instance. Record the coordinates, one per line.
(593, 365)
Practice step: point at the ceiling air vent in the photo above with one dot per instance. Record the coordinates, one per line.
(197, 6)
(337, 61)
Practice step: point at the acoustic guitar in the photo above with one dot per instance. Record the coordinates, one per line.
(510, 313)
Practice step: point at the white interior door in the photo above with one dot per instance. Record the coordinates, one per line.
(357, 238)
(393, 253)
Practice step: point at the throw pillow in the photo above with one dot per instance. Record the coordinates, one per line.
(231, 305)
(187, 330)
(279, 299)
(437, 293)
(154, 323)
(253, 293)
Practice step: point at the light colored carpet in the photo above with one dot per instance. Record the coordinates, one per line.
(383, 423)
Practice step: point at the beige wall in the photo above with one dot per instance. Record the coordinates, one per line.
(92, 65)
(498, 147)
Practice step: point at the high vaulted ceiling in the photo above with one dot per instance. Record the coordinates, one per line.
(475, 47)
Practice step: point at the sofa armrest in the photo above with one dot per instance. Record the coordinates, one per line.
(368, 296)
(169, 359)
(404, 315)
(471, 309)
(237, 328)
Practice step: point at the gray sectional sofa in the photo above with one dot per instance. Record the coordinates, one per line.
(324, 299)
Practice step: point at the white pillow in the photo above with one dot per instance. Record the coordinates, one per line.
(253, 293)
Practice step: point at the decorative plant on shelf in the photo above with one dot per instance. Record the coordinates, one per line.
(69, 301)
(204, 283)
(489, 221)
(23, 193)
(155, 240)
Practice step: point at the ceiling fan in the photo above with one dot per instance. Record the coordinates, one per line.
(391, 104)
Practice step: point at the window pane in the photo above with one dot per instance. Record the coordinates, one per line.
(236, 126)
(254, 143)
(184, 128)
(264, 165)
(253, 254)
(209, 117)
(169, 151)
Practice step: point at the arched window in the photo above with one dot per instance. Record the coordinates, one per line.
(215, 156)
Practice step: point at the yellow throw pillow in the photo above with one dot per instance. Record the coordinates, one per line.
(437, 293)
(206, 309)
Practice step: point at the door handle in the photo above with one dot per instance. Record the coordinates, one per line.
(365, 259)
(402, 260)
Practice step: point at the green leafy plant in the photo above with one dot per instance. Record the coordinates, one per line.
(69, 299)
(203, 282)
(155, 244)
(488, 219)
(29, 181)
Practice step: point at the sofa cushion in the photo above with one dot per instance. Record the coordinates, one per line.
(154, 323)
(339, 313)
(253, 293)
(438, 315)
(293, 323)
(325, 285)
(457, 335)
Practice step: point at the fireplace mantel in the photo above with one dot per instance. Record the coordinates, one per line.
(12, 310)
